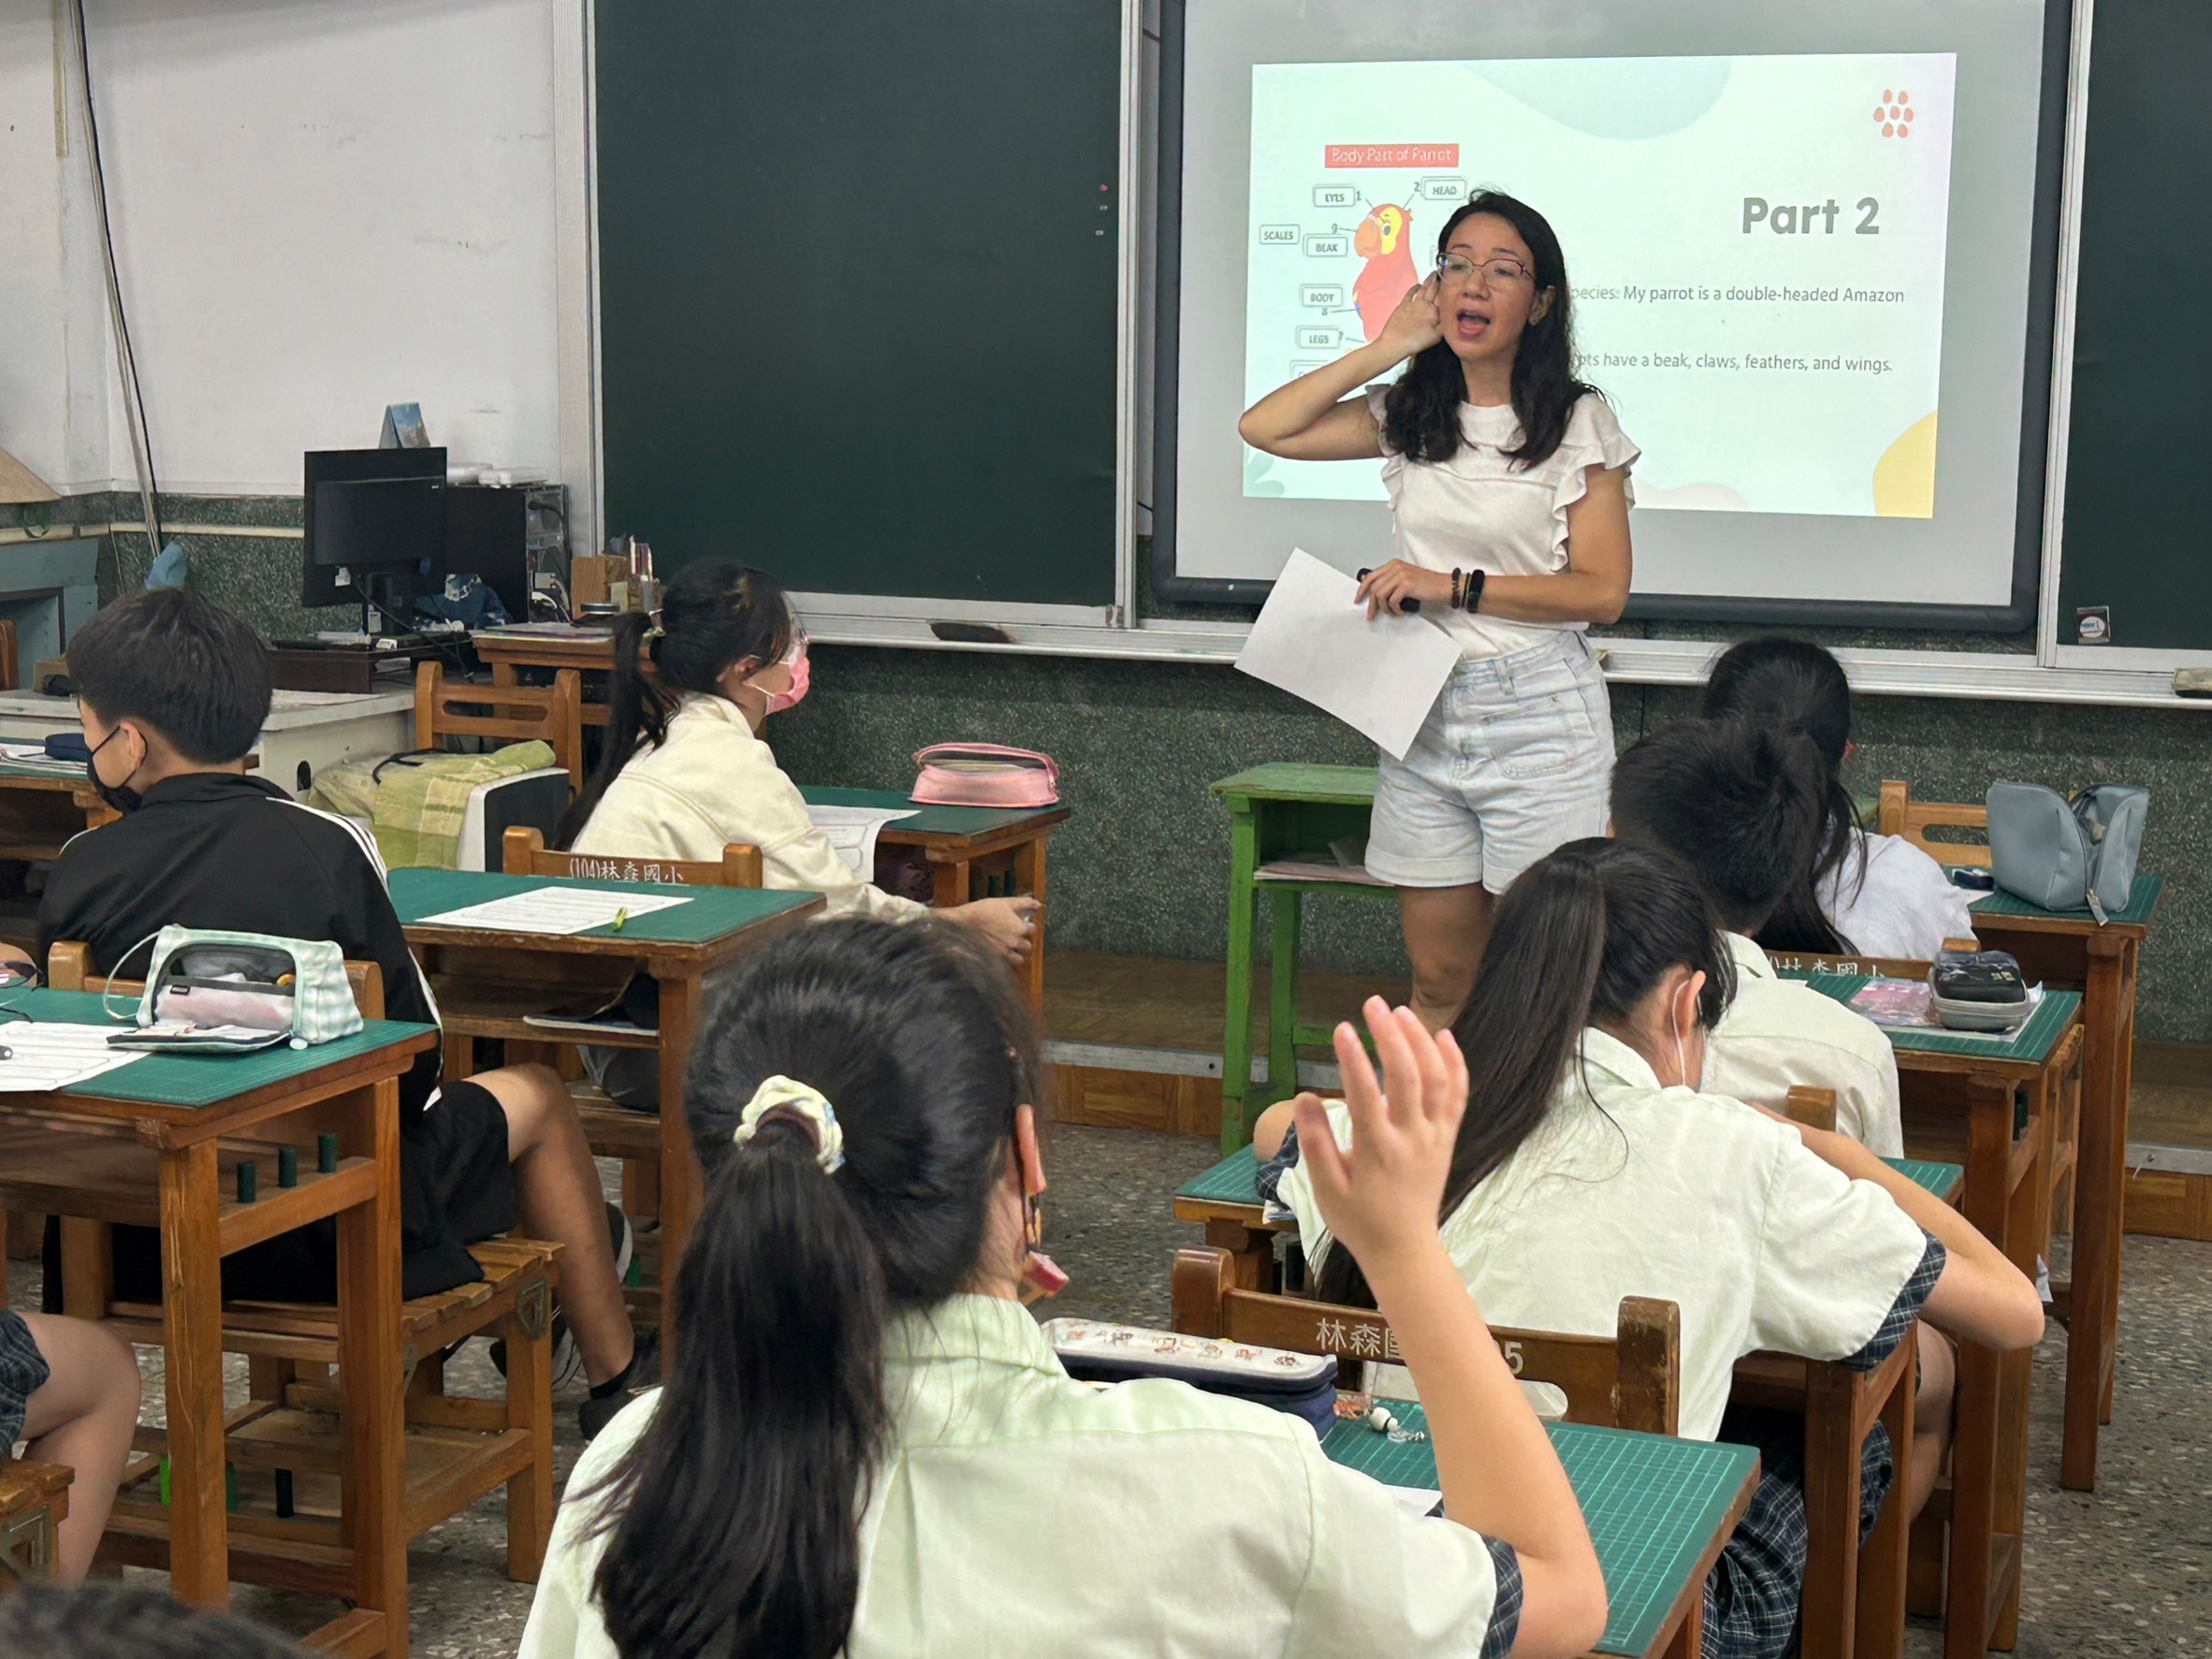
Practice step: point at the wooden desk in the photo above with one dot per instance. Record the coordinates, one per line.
(1278, 812)
(1990, 1106)
(489, 981)
(42, 807)
(590, 650)
(2071, 950)
(1847, 1611)
(1659, 1510)
(154, 1144)
(973, 851)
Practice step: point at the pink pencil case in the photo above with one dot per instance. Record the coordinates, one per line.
(984, 775)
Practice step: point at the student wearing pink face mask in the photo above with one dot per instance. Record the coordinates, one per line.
(685, 772)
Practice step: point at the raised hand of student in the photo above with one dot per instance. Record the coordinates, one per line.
(1379, 1199)
(1381, 1196)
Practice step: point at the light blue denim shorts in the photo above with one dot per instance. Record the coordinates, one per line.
(1515, 760)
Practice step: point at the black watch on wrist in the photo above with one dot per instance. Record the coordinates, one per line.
(1473, 599)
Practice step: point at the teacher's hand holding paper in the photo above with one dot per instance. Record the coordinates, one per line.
(1314, 640)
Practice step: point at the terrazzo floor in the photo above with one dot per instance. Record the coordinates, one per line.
(2126, 1571)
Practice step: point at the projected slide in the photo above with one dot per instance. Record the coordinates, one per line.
(1756, 249)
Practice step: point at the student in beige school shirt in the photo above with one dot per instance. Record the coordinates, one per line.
(867, 1447)
(686, 773)
(1741, 801)
(1589, 1168)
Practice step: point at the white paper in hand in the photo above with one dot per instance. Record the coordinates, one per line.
(1380, 678)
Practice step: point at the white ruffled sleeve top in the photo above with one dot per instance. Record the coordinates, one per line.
(1482, 511)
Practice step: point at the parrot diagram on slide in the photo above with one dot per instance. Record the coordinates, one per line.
(1335, 317)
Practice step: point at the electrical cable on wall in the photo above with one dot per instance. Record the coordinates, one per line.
(126, 357)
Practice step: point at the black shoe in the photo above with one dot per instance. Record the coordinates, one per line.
(642, 1373)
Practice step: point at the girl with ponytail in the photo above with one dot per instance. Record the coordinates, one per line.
(1879, 895)
(1588, 1168)
(867, 1447)
(684, 772)
(1508, 477)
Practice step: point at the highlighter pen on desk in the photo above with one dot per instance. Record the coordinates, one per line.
(1403, 604)
(621, 918)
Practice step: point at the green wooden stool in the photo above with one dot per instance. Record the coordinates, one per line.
(1282, 819)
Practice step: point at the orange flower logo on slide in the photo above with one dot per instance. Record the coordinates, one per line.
(1895, 114)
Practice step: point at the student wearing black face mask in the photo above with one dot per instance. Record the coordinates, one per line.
(173, 691)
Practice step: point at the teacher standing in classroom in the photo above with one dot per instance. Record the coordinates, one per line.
(1509, 497)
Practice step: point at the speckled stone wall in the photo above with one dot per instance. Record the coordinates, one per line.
(1141, 868)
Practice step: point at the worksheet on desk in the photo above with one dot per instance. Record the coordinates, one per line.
(853, 832)
(43, 1057)
(554, 910)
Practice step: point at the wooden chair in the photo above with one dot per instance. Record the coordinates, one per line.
(457, 1449)
(1632, 1379)
(1813, 1108)
(34, 1503)
(1898, 814)
(10, 669)
(522, 852)
(515, 714)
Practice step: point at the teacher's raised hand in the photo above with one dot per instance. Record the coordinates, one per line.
(1416, 324)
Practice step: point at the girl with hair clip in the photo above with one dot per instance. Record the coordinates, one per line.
(1588, 1168)
(1879, 895)
(1508, 487)
(684, 772)
(867, 1446)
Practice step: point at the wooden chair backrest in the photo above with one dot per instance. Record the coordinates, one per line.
(10, 669)
(1900, 814)
(68, 967)
(516, 713)
(1813, 1108)
(1632, 1379)
(522, 852)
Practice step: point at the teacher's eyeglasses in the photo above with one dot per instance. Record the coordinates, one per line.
(1501, 272)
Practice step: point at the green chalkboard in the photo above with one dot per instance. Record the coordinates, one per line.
(858, 290)
(2141, 420)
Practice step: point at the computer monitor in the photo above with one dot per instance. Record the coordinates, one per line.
(375, 530)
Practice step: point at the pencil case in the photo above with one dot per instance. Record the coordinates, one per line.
(985, 775)
(1977, 990)
(1304, 1385)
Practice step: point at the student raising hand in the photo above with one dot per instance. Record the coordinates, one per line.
(1380, 1198)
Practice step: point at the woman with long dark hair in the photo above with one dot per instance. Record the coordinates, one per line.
(1508, 485)
(867, 1447)
(1588, 1168)
(1879, 895)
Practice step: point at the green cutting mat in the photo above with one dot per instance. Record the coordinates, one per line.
(709, 913)
(1235, 1179)
(2142, 900)
(195, 1079)
(2031, 1042)
(1940, 1178)
(927, 821)
(1652, 1505)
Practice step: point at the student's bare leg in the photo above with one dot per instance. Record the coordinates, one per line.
(558, 1196)
(1932, 1413)
(83, 1416)
(1269, 1131)
(1446, 929)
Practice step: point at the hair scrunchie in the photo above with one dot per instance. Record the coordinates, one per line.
(786, 1096)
